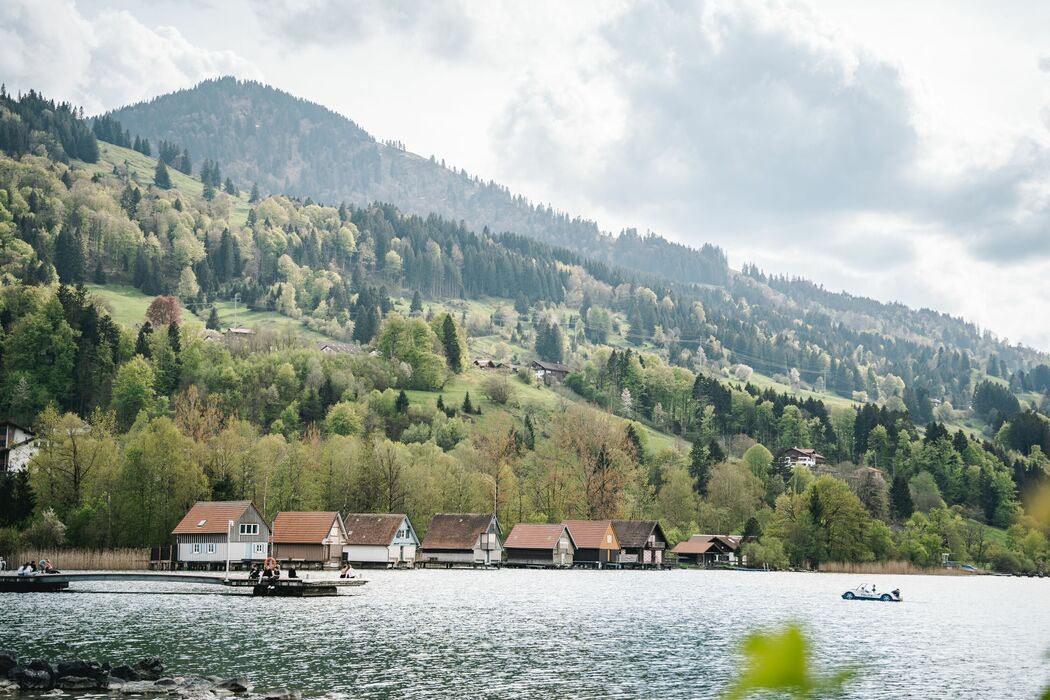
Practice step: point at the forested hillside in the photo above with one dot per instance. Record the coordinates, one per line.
(681, 400)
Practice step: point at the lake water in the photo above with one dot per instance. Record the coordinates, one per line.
(514, 633)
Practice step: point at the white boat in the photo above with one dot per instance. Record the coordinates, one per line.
(866, 592)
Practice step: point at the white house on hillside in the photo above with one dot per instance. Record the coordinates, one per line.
(18, 445)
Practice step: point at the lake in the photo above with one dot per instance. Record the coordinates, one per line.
(527, 634)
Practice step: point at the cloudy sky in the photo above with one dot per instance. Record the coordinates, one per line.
(894, 149)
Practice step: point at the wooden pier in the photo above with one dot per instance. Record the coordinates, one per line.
(283, 587)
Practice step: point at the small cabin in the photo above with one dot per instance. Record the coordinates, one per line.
(205, 533)
(802, 456)
(18, 445)
(642, 543)
(549, 372)
(530, 544)
(340, 348)
(596, 541)
(709, 550)
(463, 539)
(309, 538)
(380, 540)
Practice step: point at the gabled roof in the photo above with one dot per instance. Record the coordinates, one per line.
(806, 452)
(456, 530)
(341, 347)
(536, 536)
(8, 421)
(211, 517)
(701, 544)
(551, 366)
(590, 534)
(635, 533)
(376, 529)
(305, 527)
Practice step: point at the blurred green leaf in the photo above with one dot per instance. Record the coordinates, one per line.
(780, 661)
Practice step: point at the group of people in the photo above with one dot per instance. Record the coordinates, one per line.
(43, 567)
(270, 570)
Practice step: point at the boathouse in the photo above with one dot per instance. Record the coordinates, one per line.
(531, 544)
(380, 539)
(201, 535)
(642, 543)
(463, 539)
(308, 538)
(596, 541)
(709, 550)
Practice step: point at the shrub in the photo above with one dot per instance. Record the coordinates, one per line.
(497, 389)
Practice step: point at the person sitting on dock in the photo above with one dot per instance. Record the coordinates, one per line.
(27, 569)
(347, 571)
(48, 569)
(255, 573)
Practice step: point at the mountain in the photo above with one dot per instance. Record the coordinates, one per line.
(291, 146)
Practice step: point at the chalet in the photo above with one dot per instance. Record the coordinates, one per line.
(380, 539)
(802, 456)
(18, 445)
(485, 363)
(239, 332)
(708, 550)
(642, 542)
(530, 544)
(340, 348)
(309, 538)
(549, 372)
(596, 541)
(210, 527)
(463, 539)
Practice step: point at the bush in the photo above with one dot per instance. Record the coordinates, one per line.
(1004, 560)
(497, 389)
(46, 532)
(343, 419)
(768, 552)
(10, 541)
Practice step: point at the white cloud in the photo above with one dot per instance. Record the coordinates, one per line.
(103, 61)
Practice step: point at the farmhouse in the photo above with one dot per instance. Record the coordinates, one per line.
(642, 542)
(596, 541)
(380, 539)
(18, 445)
(340, 348)
(530, 544)
(463, 539)
(309, 538)
(802, 456)
(205, 532)
(549, 372)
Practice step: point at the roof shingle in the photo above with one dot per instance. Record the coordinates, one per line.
(303, 527)
(375, 529)
(591, 534)
(455, 530)
(535, 536)
(210, 517)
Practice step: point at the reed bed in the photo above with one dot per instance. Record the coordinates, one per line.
(84, 559)
(887, 567)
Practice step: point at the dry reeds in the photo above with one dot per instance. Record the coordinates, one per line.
(886, 567)
(84, 559)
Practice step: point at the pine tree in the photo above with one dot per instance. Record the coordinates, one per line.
(401, 403)
(700, 465)
(69, 256)
(441, 402)
(184, 164)
(530, 433)
(254, 198)
(142, 346)
(213, 320)
(901, 506)
(230, 188)
(467, 406)
(146, 150)
(161, 178)
(417, 303)
(100, 274)
(450, 339)
(174, 339)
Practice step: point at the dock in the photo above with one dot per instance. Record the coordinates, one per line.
(283, 587)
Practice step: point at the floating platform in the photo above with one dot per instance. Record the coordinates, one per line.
(284, 587)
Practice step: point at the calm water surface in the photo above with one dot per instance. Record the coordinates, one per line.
(442, 634)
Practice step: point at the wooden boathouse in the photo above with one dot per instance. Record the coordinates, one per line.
(380, 540)
(463, 539)
(596, 542)
(309, 539)
(538, 545)
(205, 533)
(643, 543)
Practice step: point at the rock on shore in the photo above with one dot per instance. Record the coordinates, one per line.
(144, 677)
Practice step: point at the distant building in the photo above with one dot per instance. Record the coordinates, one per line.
(802, 456)
(309, 538)
(240, 332)
(18, 445)
(530, 544)
(380, 539)
(708, 550)
(485, 363)
(463, 539)
(201, 535)
(550, 372)
(596, 541)
(340, 348)
(642, 542)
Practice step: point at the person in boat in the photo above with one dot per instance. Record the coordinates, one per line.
(896, 593)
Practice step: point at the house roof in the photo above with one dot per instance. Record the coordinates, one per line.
(807, 452)
(341, 347)
(211, 517)
(551, 366)
(536, 536)
(8, 421)
(590, 534)
(304, 527)
(701, 544)
(456, 530)
(635, 533)
(372, 528)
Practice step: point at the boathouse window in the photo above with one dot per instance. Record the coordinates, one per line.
(196, 549)
(249, 528)
(211, 548)
(260, 548)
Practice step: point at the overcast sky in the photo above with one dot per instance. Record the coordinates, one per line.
(892, 149)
